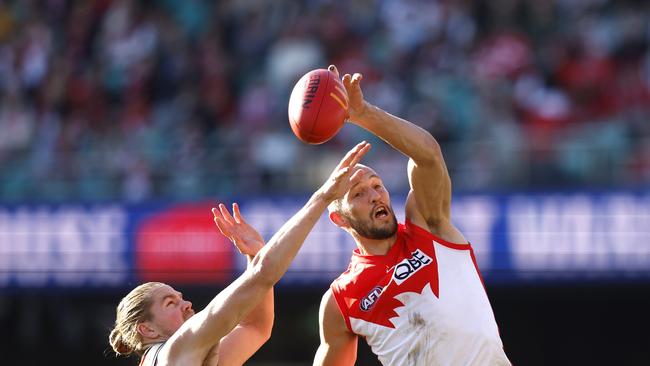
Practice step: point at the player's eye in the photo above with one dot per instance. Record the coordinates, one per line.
(358, 194)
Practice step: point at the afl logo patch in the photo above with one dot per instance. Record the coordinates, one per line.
(369, 300)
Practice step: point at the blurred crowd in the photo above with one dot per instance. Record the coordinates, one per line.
(187, 99)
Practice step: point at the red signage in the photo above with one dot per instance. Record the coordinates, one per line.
(182, 245)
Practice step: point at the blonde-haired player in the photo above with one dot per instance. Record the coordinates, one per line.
(155, 321)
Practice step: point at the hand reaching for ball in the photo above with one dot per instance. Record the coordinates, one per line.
(352, 83)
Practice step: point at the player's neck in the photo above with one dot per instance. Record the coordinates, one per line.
(374, 246)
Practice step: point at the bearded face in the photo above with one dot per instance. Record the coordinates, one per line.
(366, 207)
(381, 223)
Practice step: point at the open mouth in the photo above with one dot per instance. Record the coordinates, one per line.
(381, 212)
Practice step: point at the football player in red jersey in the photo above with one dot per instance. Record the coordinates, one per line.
(412, 290)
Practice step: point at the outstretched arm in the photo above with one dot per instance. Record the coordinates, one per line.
(249, 335)
(429, 201)
(255, 329)
(191, 343)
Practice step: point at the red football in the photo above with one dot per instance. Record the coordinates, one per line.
(318, 106)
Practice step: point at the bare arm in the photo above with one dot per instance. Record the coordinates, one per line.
(191, 343)
(429, 201)
(250, 334)
(255, 329)
(428, 176)
(338, 347)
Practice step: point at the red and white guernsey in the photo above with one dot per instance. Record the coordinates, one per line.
(423, 303)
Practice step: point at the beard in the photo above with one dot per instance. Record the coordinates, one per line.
(367, 228)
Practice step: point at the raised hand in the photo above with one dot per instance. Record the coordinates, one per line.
(247, 240)
(352, 83)
(342, 177)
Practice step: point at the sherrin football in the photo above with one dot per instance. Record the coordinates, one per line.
(318, 106)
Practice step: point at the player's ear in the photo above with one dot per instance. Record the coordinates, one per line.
(338, 219)
(146, 330)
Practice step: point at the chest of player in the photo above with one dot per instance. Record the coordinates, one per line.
(423, 303)
(373, 298)
(421, 277)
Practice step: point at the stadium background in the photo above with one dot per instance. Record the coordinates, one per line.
(122, 122)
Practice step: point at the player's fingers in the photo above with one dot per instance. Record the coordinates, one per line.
(356, 78)
(357, 154)
(333, 69)
(216, 213)
(351, 154)
(359, 150)
(222, 226)
(357, 157)
(226, 215)
(346, 159)
(347, 78)
(237, 214)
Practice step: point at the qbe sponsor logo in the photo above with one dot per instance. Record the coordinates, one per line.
(409, 266)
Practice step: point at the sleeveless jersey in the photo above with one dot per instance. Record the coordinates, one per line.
(150, 357)
(423, 303)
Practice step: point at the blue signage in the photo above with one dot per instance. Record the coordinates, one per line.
(516, 239)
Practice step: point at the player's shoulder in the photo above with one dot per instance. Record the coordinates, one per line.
(329, 304)
(348, 281)
(150, 356)
(328, 296)
(343, 279)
